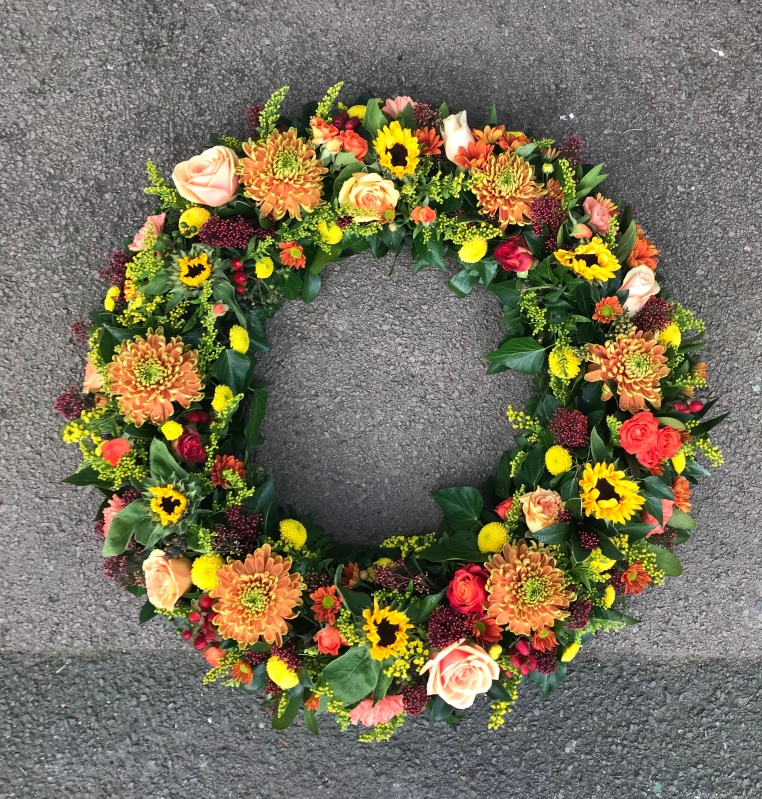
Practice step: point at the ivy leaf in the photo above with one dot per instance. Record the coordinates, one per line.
(353, 675)
(163, 465)
(487, 270)
(656, 487)
(232, 369)
(461, 506)
(554, 534)
(463, 282)
(419, 610)
(256, 415)
(532, 469)
(123, 527)
(86, 477)
(547, 683)
(523, 355)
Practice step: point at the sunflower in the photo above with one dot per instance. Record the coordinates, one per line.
(194, 271)
(505, 187)
(149, 374)
(386, 629)
(593, 261)
(635, 362)
(525, 590)
(168, 504)
(606, 494)
(282, 175)
(255, 597)
(398, 149)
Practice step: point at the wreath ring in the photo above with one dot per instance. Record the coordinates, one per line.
(583, 513)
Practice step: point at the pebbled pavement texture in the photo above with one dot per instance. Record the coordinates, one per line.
(378, 392)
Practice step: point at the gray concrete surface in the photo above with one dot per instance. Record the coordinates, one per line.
(667, 94)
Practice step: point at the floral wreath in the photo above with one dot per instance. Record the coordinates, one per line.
(584, 512)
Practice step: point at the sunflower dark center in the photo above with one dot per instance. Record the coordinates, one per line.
(607, 491)
(169, 505)
(387, 632)
(194, 269)
(398, 154)
(588, 258)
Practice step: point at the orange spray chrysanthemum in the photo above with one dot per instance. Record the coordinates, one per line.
(544, 640)
(326, 604)
(242, 672)
(635, 579)
(255, 597)
(429, 141)
(525, 590)
(682, 491)
(224, 463)
(607, 309)
(149, 374)
(292, 254)
(643, 252)
(512, 140)
(474, 155)
(505, 187)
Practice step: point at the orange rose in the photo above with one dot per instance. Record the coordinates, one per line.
(213, 654)
(459, 672)
(638, 433)
(369, 195)
(667, 508)
(328, 640)
(114, 449)
(322, 131)
(668, 442)
(167, 579)
(502, 509)
(209, 178)
(541, 508)
(352, 142)
(466, 592)
(423, 214)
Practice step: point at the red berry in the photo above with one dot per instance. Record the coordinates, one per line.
(209, 635)
(237, 264)
(522, 647)
(193, 417)
(211, 616)
(240, 289)
(194, 617)
(516, 660)
(200, 643)
(696, 406)
(352, 123)
(239, 278)
(186, 635)
(205, 602)
(681, 407)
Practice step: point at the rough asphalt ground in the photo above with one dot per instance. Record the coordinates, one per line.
(378, 393)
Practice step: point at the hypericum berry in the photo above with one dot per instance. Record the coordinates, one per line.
(239, 278)
(237, 264)
(205, 602)
(194, 617)
(209, 635)
(200, 643)
(352, 123)
(682, 407)
(240, 289)
(696, 406)
(186, 635)
(198, 417)
(211, 616)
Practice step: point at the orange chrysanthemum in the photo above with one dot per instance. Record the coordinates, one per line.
(485, 630)
(225, 463)
(635, 362)
(474, 156)
(255, 597)
(635, 579)
(429, 141)
(682, 491)
(554, 189)
(700, 370)
(643, 253)
(242, 672)
(506, 188)
(292, 254)
(350, 575)
(149, 374)
(325, 604)
(490, 135)
(608, 204)
(607, 309)
(525, 590)
(282, 175)
(544, 640)
(313, 703)
(512, 140)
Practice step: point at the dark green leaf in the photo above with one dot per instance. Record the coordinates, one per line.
(626, 243)
(311, 286)
(440, 710)
(654, 507)
(158, 284)
(256, 415)
(462, 506)
(487, 270)
(463, 282)
(164, 467)
(353, 675)
(523, 355)
(636, 532)
(373, 119)
(548, 682)
(532, 469)
(419, 610)
(310, 721)
(459, 546)
(223, 292)
(598, 451)
(680, 520)
(555, 534)
(667, 561)
(123, 526)
(232, 369)
(492, 116)
(589, 181)
(323, 258)
(503, 483)
(85, 477)
(506, 292)
(136, 590)
(147, 612)
(356, 601)
(281, 722)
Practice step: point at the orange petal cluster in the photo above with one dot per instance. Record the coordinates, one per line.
(505, 187)
(644, 253)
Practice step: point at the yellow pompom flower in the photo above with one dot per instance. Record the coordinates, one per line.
(495, 651)
(558, 460)
(609, 595)
(239, 339)
(191, 221)
(223, 396)
(570, 652)
(670, 336)
(112, 296)
(171, 430)
(204, 571)
(357, 111)
(679, 462)
(492, 537)
(281, 674)
(293, 532)
(264, 268)
(563, 363)
(473, 251)
(331, 234)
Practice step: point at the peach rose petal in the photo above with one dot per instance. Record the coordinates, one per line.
(209, 178)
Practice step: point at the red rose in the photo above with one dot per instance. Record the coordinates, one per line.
(466, 592)
(114, 450)
(668, 442)
(189, 446)
(638, 433)
(502, 509)
(328, 640)
(650, 458)
(514, 255)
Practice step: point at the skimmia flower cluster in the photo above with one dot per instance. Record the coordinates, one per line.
(584, 511)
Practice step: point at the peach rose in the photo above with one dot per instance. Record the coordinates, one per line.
(423, 214)
(641, 284)
(370, 194)
(600, 216)
(393, 108)
(209, 178)
(459, 672)
(167, 579)
(541, 508)
(156, 223)
(93, 378)
(322, 131)
(456, 134)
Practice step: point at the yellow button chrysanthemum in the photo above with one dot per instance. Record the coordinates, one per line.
(112, 295)
(609, 595)
(192, 220)
(357, 111)
(492, 537)
(264, 268)
(281, 674)
(563, 363)
(670, 336)
(495, 651)
(558, 460)
(223, 396)
(679, 462)
(293, 532)
(331, 234)
(172, 430)
(570, 652)
(473, 251)
(204, 571)
(239, 339)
